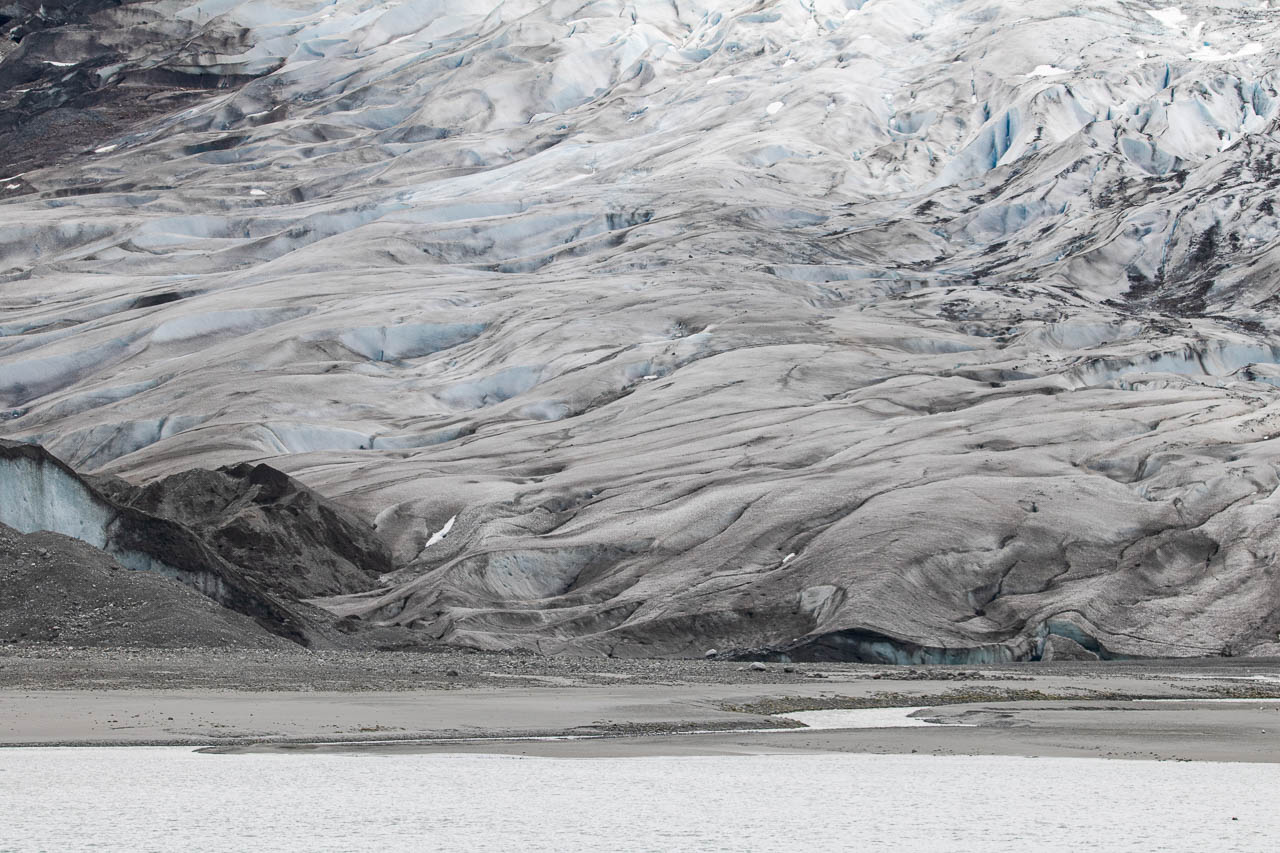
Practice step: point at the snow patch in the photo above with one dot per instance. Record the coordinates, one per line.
(1170, 16)
(1047, 71)
(440, 534)
(1205, 53)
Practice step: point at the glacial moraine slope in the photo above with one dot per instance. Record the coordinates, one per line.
(54, 589)
(921, 329)
(255, 517)
(253, 542)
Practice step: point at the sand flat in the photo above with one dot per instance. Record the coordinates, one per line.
(455, 702)
(631, 720)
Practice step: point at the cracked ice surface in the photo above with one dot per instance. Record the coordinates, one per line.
(968, 306)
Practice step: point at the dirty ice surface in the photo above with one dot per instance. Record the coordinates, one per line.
(963, 310)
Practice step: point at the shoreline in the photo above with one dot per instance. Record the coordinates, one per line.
(324, 703)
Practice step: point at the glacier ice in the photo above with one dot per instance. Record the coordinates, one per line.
(37, 496)
(910, 331)
(390, 343)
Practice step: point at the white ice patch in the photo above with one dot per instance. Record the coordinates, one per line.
(58, 64)
(106, 149)
(1047, 71)
(257, 192)
(442, 532)
(773, 108)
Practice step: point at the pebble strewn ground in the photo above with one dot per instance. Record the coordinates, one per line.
(46, 666)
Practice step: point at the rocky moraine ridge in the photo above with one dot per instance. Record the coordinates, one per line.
(892, 330)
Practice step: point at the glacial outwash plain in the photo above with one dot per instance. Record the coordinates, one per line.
(652, 379)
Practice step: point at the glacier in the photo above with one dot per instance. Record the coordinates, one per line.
(901, 330)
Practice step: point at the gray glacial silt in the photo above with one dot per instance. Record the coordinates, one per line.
(899, 331)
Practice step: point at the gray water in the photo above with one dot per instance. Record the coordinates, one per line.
(166, 798)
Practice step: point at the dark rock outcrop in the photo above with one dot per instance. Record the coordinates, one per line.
(278, 531)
